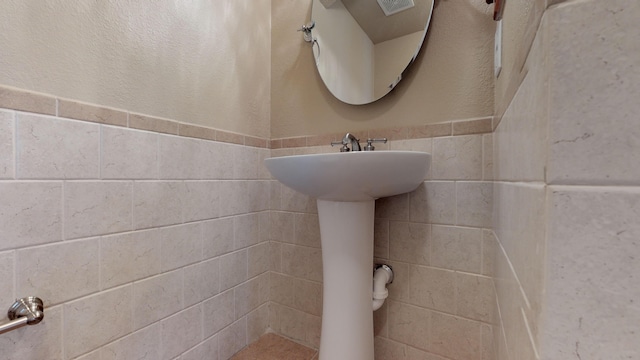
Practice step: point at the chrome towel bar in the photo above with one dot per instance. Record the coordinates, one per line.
(25, 311)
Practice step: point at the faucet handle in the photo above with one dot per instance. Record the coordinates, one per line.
(370, 147)
(344, 147)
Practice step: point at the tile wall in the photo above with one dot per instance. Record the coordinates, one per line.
(141, 243)
(437, 239)
(567, 195)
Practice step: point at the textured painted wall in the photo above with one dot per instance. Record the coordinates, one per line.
(197, 62)
(451, 79)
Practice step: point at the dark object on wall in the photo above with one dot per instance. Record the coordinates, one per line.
(497, 9)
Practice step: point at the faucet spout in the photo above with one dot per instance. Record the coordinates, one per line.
(347, 140)
(350, 139)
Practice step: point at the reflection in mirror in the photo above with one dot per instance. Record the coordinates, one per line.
(360, 52)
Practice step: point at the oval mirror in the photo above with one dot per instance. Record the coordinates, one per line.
(362, 47)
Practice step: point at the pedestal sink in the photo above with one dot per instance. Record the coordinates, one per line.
(346, 186)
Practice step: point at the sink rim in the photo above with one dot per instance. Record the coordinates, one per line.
(330, 176)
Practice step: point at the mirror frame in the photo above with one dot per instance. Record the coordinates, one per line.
(367, 86)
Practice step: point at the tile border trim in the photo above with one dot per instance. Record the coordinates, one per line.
(481, 125)
(29, 101)
(24, 100)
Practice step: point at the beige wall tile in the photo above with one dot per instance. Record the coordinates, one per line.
(589, 84)
(303, 262)
(143, 122)
(432, 288)
(487, 157)
(51, 148)
(281, 289)
(409, 324)
(430, 130)
(202, 199)
(217, 237)
(208, 349)
(433, 202)
(307, 296)
(259, 259)
(489, 250)
(90, 313)
(282, 226)
(385, 349)
(591, 281)
(456, 248)
(381, 239)
(229, 137)
(457, 158)
(7, 153)
(257, 323)
(157, 297)
(466, 127)
(128, 154)
(454, 337)
(475, 297)
(296, 324)
(307, 230)
(424, 145)
(97, 208)
(246, 230)
(235, 197)
(488, 350)
(59, 272)
(258, 196)
(128, 257)
(520, 225)
(198, 132)
(16, 99)
(292, 200)
(233, 269)
(233, 338)
(380, 323)
(246, 161)
(95, 355)
(415, 354)
(175, 156)
(219, 312)
(216, 160)
(181, 245)
(201, 281)
(399, 288)
(251, 294)
(410, 242)
(87, 112)
(157, 203)
(474, 204)
(7, 259)
(393, 207)
(275, 256)
(181, 332)
(38, 218)
(43, 341)
(146, 342)
(275, 195)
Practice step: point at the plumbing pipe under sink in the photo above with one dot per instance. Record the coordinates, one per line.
(382, 276)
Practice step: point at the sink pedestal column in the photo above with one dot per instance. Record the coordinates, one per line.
(346, 231)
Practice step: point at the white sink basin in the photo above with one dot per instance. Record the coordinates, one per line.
(352, 176)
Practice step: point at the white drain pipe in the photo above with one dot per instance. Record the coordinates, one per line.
(382, 276)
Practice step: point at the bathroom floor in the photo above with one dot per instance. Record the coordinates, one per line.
(274, 347)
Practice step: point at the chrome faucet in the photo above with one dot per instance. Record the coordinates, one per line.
(346, 140)
(349, 139)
